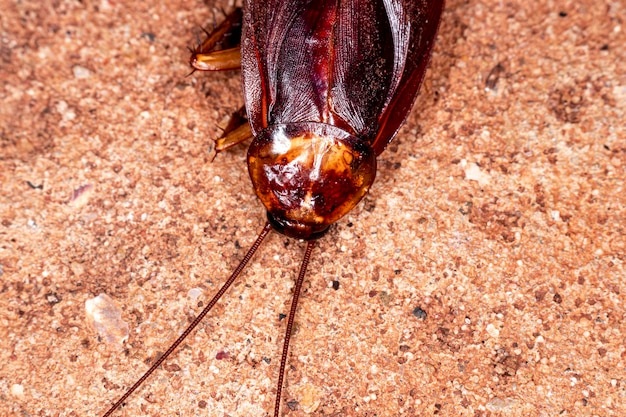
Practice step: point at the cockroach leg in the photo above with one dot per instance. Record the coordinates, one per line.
(235, 130)
(234, 137)
(227, 59)
(220, 51)
(233, 121)
(226, 35)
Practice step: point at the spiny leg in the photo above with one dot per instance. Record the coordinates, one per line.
(236, 130)
(220, 51)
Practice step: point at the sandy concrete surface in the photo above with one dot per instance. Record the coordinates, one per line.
(482, 276)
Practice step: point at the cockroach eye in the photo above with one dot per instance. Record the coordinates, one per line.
(309, 175)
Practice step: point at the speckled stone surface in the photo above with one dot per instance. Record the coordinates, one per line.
(482, 276)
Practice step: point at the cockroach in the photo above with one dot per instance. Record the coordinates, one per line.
(327, 85)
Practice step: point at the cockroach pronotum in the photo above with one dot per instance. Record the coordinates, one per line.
(327, 85)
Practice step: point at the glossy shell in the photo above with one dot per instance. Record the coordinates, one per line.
(352, 66)
(309, 175)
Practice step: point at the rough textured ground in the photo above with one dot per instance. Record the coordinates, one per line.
(482, 276)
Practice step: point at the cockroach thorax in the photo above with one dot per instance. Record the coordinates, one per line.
(309, 175)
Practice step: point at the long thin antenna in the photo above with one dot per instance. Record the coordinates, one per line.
(292, 315)
(196, 321)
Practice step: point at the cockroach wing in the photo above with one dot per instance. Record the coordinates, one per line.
(413, 43)
(354, 64)
(327, 85)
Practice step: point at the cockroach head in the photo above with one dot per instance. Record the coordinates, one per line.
(309, 175)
